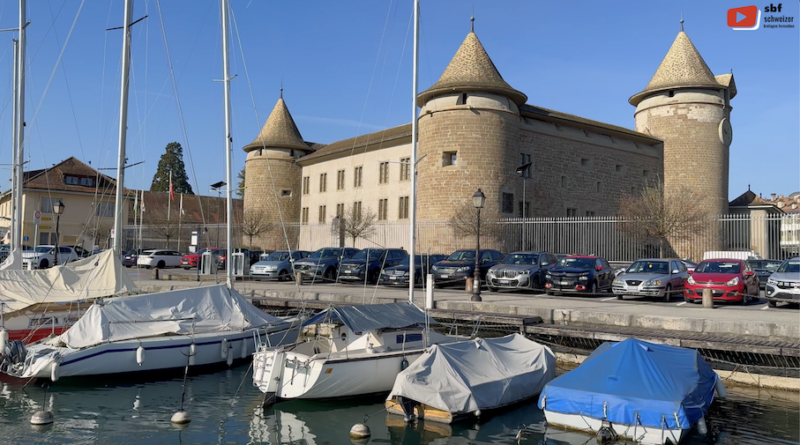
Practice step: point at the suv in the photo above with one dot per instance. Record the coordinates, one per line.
(460, 265)
(579, 273)
(191, 260)
(325, 262)
(784, 284)
(368, 264)
(43, 257)
(159, 258)
(398, 275)
(521, 270)
(764, 268)
(277, 264)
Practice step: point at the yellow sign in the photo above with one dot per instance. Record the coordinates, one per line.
(44, 227)
(46, 218)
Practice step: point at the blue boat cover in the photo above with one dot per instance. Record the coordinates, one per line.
(633, 378)
(369, 317)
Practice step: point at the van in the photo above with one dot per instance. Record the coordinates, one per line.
(732, 254)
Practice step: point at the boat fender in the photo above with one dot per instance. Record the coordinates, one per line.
(721, 391)
(606, 434)
(54, 371)
(702, 428)
(544, 402)
(243, 352)
(140, 355)
(360, 431)
(224, 348)
(229, 359)
(3, 340)
(192, 353)
(370, 349)
(477, 413)
(404, 364)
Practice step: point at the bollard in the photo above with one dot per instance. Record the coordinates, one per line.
(468, 285)
(708, 299)
(298, 278)
(429, 293)
(155, 273)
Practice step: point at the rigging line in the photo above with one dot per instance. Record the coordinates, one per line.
(66, 81)
(102, 130)
(178, 105)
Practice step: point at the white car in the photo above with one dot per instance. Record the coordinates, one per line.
(42, 257)
(159, 259)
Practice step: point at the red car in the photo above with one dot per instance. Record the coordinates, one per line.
(191, 260)
(729, 280)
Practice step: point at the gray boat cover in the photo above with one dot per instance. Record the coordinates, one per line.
(369, 317)
(180, 312)
(480, 374)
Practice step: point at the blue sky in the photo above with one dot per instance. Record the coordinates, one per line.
(346, 70)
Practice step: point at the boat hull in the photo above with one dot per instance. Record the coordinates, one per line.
(639, 434)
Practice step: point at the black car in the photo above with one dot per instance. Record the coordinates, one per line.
(368, 263)
(324, 263)
(460, 265)
(579, 273)
(398, 275)
(764, 268)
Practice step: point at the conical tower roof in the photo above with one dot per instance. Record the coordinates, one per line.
(279, 131)
(471, 69)
(682, 67)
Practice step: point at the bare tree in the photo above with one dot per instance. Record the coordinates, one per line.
(665, 215)
(255, 224)
(163, 223)
(100, 230)
(358, 223)
(465, 220)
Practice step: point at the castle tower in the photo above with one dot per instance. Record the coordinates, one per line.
(272, 179)
(688, 107)
(468, 124)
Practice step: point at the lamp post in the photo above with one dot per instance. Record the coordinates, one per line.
(217, 186)
(58, 209)
(522, 171)
(477, 200)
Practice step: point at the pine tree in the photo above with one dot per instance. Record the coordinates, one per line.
(172, 160)
(240, 187)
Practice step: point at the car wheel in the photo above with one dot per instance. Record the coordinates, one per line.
(44, 264)
(688, 300)
(283, 275)
(593, 290)
(330, 274)
(128, 266)
(160, 265)
(773, 304)
(620, 297)
(147, 267)
(186, 267)
(491, 289)
(535, 285)
(668, 293)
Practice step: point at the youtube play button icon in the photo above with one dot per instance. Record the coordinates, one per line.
(744, 17)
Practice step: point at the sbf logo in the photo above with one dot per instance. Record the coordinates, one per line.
(746, 18)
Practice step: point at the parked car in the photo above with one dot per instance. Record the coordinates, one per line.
(398, 275)
(324, 262)
(277, 265)
(129, 257)
(42, 257)
(580, 273)
(784, 284)
(657, 278)
(159, 258)
(223, 256)
(460, 265)
(191, 260)
(729, 280)
(82, 253)
(764, 268)
(5, 249)
(368, 264)
(521, 270)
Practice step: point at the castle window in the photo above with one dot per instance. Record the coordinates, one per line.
(357, 210)
(384, 173)
(671, 93)
(449, 158)
(286, 193)
(563, 182)
(571, 213)
(508, 203)
(462, 99)
(357, 174)
(589, 213)
(383, 205)
(323, 182)
(633, 190)
(586, 164)
(306, 184)
(340, 210)
(340, 180)
(402, 212)
(598, 187)
(71, 180)
(619, 168)
(405, 169)
(304, 216)
(527, 213)
(646, 174)
(322, 210)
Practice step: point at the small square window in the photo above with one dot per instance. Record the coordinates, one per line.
(71, 180)
(286, 193)
(508, 203)
(572, 212)
(619, 168)
(449, 158)
(598, 187)
(563, 182)
(88, 182)
(646, 173)
(589, 213)
(584, 162)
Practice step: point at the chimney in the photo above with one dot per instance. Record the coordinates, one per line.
(773, 196)
(781, 204)
(794, 206)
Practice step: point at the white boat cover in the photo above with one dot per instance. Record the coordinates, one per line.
(13, 261)
(100, 275)
(179, 312)
(463, 377)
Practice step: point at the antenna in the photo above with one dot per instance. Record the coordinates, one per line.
(681, 19)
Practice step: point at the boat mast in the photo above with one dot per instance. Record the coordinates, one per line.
(123, 126)
(16, 233)
(14, 161)
(413, 167)
(226, 79)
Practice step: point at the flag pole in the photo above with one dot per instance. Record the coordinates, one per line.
(180, 217)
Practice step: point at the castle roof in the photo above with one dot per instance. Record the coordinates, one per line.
(682, 67)
(279, 131)
(471, 69)
(359, 144)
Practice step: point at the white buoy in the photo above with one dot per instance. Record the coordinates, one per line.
(224, 348)
(702, 428)
(229, 360)
(3, 340)
(181, 418)
(192, 352)
(243, 352)
(360, 431)
(54, 371)
(477, 413)
(140, 355)
(720, 387)
(42, 418)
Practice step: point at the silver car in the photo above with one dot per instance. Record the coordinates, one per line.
(277, 265)
(784, 284)
(521, 270)
(657, 277)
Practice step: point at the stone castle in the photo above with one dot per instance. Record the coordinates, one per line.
(476, 130)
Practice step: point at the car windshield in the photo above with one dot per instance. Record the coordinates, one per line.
(42, 249)
(719, 267)
(765, 265)
(521, 258)
(462, 255)
(660, 267)
(374, 254)
(326, 253)
(789, 266)
(276, 256)
(578, 263)
(407, 260)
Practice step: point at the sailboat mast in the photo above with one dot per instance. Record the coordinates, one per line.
(20, 122)
(413, 167)
(226, 79)
(123, 127)
(15, 245)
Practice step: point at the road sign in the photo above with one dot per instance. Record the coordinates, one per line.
(25, 238)
(37, 218)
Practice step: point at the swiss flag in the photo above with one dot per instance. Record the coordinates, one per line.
(744, 17)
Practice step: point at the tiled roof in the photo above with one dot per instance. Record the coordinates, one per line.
(748, 198)
(157, 203)
(471, 69)
(279, 131)
(359, 143)
(53, 178)
(682, 67)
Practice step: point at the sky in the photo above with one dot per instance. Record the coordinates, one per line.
(346, 69)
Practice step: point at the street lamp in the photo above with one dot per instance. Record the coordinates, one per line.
(522, 171)
(58, 209)
(477, 200)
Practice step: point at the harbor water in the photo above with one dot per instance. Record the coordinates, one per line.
(100, 412)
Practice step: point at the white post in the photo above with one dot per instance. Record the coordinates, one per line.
(524, 208)
(429, 293)
(226, 79)
(123, 126)
(413, 167)
(20, 119)
(15, 163)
